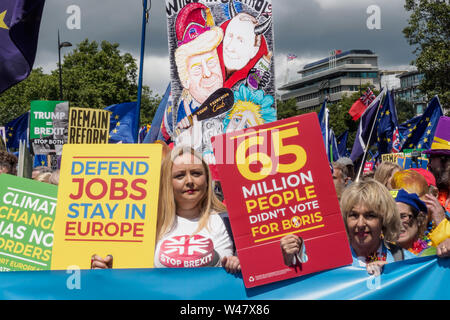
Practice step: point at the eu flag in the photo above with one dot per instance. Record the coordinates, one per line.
(40, 160)
(405, 127)
(124, 122)
(421, 135)
(16, 131)
(342, 144)
(387, 126)
(19, 31)
(155, 129)
(323, 121)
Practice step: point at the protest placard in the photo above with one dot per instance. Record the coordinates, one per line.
(391, 157)
(27, 211)
(280, 183)
(88, 126)
(107, 205)
(216, 45)
(49, 122)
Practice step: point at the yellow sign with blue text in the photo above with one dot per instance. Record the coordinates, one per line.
(107, 205)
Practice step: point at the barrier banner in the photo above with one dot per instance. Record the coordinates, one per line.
(280, 181)
(49, 121)
(27, 212)
(88, 126)
(107, 205)
(413, 279)
(222, 68)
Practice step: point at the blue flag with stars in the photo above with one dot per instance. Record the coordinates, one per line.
(16, 131)
(155, 130)
(421, 135)
(40, 160)
(342, 144)
(123, 125)
(323, 121)
(387, 126)
(405, 127)
(19, 32)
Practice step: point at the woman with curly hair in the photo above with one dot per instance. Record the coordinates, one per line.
(8, 163)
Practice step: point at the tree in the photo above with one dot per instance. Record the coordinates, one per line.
(93, 77)
(428, 31)
(405, 110)
(16, 100)
(287, 109)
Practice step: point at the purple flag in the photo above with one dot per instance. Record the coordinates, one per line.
(19, 31)
(365, 127)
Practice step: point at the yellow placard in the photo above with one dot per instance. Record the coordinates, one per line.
(391, 157)
(107, 205)
(88, 126)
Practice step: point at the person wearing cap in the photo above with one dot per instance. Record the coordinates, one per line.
(373, 225)
(350, 167)
(439, 166)
(414, 182)
(413, 214)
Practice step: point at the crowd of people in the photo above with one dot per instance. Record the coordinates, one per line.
(390, 214)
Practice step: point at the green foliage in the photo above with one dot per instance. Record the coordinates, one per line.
(405, 110)
(428, 31)
(93, 77)
(286, 109)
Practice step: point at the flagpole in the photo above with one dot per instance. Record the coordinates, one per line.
(363, 161)
(145, 17)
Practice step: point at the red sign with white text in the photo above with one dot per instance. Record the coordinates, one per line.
(277, 181)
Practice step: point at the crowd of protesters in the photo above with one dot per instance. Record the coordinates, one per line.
(390, 214)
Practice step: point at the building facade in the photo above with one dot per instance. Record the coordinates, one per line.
(408, 91)
(332, 77)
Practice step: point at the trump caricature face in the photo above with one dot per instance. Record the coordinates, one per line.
(204, 75)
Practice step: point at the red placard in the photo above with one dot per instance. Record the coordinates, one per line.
(276, 181)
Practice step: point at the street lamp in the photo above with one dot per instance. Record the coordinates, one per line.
(61, 45)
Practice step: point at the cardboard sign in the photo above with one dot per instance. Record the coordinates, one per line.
(27, 212)
(277, 181)
(89, 126)
(406, 160)
(107, 205)
(48, 126)
(218, 45)
(368, 167)
(391, 157)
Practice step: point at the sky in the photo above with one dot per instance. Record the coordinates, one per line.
(310, 29)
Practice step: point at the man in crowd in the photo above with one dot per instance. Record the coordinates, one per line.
(340, 177)
(439, 165)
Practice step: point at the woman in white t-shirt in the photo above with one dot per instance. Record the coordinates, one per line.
(190, 232)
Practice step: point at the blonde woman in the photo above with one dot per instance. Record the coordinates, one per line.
(384, 173)
(190, 231)
(373, 225)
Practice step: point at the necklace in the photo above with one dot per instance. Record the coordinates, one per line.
(377, 255)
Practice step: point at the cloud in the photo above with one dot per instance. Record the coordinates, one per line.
(309, 29)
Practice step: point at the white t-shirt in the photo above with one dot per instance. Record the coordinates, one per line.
(181, 248)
